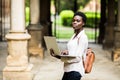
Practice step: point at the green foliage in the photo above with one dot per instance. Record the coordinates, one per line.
(64, 5)
(27, 3)
(64, 34)
(92, 18)
(27, 17)
(69, 4)
(66, 17)
(91, 35)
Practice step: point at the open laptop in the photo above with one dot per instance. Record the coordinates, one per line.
(52, 43)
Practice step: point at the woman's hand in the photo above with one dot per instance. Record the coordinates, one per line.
(65, 52)
(52, 52)
(89, 50)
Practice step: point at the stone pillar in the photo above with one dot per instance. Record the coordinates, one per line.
(45, 17)
(102, 22)
(0, 20)
(117, 29)
(116, 51)
(35, 29)
(109, 28)
(18, 67)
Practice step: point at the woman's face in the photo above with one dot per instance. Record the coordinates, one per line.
(77, 22)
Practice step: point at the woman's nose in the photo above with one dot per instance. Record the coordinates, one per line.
(75, 22)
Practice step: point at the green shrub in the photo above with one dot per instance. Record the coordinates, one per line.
(27, 17)
(66, 17)
(91, 18)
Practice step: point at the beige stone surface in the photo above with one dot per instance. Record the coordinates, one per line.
(17, 75)
(36, 51)
(116, 54)
(19, 68)
(35, 45)
(52, 69)
(17, 50)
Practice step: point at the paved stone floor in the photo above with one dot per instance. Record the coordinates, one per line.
(52, 69)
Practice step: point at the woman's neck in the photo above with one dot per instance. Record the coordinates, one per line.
(77, 32)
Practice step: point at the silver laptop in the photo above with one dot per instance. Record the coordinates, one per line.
(52, 43)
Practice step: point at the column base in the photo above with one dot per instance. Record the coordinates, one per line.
(18, 73)
(36, 41)
(19, 68)
(115, 55)
(23, 75)
(36, 51)
(107, 44)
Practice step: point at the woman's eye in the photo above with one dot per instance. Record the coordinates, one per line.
(78, 20)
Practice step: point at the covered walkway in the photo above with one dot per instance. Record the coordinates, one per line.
(40, 25)
(52, 69)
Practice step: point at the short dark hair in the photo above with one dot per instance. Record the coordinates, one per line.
(82, 15)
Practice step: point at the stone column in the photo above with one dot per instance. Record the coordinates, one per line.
(0, 20)
(117, 29)
(116, 52)
(102, 22)
(45, 17)
(109, 28)
(35, 29)
(18, 67)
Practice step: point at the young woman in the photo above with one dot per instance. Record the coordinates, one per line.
(77, 45)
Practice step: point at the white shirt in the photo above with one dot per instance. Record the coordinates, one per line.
(77, 46)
